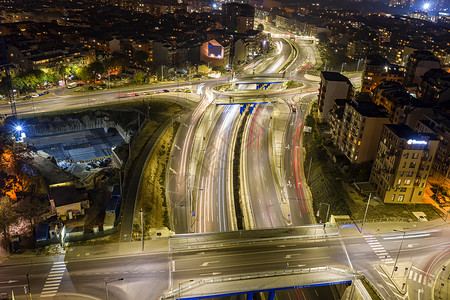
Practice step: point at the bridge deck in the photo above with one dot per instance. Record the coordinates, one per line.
(260, 282)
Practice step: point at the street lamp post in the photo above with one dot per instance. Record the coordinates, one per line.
(398, 253)
(106, 286)
(142, 230)
(367, 208)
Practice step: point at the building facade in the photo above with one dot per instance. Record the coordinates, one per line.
(378, 70)
(402, 164)
(237, 17)
(418, 63)
(332, 86)
(362, 123)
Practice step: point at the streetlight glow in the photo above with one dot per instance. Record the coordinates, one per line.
(19, 128)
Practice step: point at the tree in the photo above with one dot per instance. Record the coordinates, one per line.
(85, 74)
(139, 77)
(96, 67)
(8, 217)
(31, 208)
(141, 58)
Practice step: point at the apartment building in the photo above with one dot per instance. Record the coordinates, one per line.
(402, 164)
(360, 131)
(439, 125)
(377, 70)
(418, 64)
(333, 86)
(401, 107)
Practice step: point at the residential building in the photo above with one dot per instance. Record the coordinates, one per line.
(418, 64)
(237, 17)
(335, 120)
(401, 107)
(402, 164)
(215, 52)
(362, 123)
(439, 125)
(357, 49)
(377, 70)
(434, 87)
(332, 86)
(66, 200)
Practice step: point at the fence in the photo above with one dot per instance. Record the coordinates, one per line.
(77, 238)
(387, 219)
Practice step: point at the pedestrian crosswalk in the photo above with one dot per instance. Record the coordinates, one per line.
(379, 250)
(419, 276)
(54, 279)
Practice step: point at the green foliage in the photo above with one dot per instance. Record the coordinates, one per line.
(139, 77)
(220, 69)
(141, 58)
(310, 121)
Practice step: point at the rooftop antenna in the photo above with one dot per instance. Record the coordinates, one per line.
(6, 67)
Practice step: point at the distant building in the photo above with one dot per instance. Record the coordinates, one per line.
(357, 49)
(440, 126)
(418, 63)
(377, 70)
(401, 107)
(402, 164)
(237, 17)
(333, 86)
(360, 131)
(434, 87)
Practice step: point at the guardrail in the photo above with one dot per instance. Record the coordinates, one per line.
(387, 219)
(233, 242)
(194, 284)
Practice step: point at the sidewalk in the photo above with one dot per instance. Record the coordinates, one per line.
(374, 228)
(440, 289)
(88, 252)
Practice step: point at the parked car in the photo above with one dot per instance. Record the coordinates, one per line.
(35, 95)
(187, 91)
(178, 90)
(26, 97)
(166, 91)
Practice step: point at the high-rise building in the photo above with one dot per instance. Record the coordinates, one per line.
(360, 130)
(377, 70)
(333, 86)
(418, 63)
(402, 164)
(237, 17)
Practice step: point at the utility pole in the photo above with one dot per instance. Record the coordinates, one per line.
(142, 230)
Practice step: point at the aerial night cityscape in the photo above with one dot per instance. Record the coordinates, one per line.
(219, 149)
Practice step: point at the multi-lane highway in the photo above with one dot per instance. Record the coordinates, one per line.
(84, 270)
